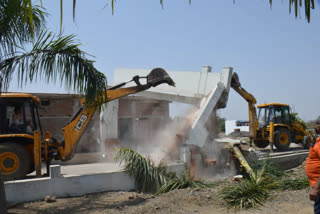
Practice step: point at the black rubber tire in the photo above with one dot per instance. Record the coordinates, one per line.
(261, 143)
(282, 139)
(24, 160)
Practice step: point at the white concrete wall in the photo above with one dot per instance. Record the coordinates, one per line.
(189, 84)
(109, 123)
(230, 126)
(66, 186)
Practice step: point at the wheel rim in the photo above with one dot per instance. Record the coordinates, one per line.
(283, 138)
(9, 162)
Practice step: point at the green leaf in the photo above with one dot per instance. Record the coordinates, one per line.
(61, 14)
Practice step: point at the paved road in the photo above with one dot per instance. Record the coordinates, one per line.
(83, 164)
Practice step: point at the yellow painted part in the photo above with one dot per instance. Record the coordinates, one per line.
(253, 121)
(271, 133)
(272, 104)
(9, 155)
(299, 137)
(299, 128)
(73, 131)
(283, 138)
(241, 158)
(37, 153)
(17, 135)
(20, 95)
(282, 125)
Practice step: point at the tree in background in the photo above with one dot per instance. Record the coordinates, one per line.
(311, 124)
(296, 119)
(221, 124)
(51, 57)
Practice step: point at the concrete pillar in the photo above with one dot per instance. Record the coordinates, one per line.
(185, 154)
(198, 133)
(212, 124)
(55, 171)
(226, 76)
(108, 123)
(134, 117)
(203, 79)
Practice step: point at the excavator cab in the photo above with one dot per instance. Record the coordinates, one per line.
(274, 112)
(18, 114)
(18, 120)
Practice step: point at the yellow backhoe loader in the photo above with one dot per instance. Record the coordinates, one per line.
(274, 124)
(23, 146)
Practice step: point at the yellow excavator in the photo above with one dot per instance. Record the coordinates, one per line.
(23, 146)
(274, 124)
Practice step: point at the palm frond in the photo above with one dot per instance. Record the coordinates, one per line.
(61, 14)
(271, 168)
(52, 58)
(308, 5)
(294, 184)
(74, 10)
(184, 181)
(156, 179)
(147, 176)
(15, 29)
(246, 194)
(252, 192)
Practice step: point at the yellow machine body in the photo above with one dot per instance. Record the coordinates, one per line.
(274, 124)
(24, 148)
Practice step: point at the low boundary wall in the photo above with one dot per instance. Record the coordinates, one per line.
(66, 186)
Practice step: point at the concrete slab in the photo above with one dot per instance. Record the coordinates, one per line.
(82, 158)
(198, 133)
(87, 169)
(292, 158)
(190, 86)
(66, 186)
(288, 159)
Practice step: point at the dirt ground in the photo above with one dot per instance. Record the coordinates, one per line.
(182, 201)
(178, 201)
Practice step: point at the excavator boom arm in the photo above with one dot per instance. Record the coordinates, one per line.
(73, 131)
(253, 121)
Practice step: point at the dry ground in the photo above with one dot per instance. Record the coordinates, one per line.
(177, 201)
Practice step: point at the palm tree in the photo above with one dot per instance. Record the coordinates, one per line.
(307, 4)
(51, 57)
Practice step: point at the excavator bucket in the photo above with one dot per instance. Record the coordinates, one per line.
(158, 76)
(235, 80)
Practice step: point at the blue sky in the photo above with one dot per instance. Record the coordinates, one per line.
(275, 55)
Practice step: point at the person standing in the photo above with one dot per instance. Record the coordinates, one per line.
(313, 169)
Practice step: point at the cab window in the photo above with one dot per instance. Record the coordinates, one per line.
(263, 116)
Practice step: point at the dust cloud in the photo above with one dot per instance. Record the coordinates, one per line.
(164, 142)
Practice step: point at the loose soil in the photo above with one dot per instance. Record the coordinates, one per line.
(178, 201)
